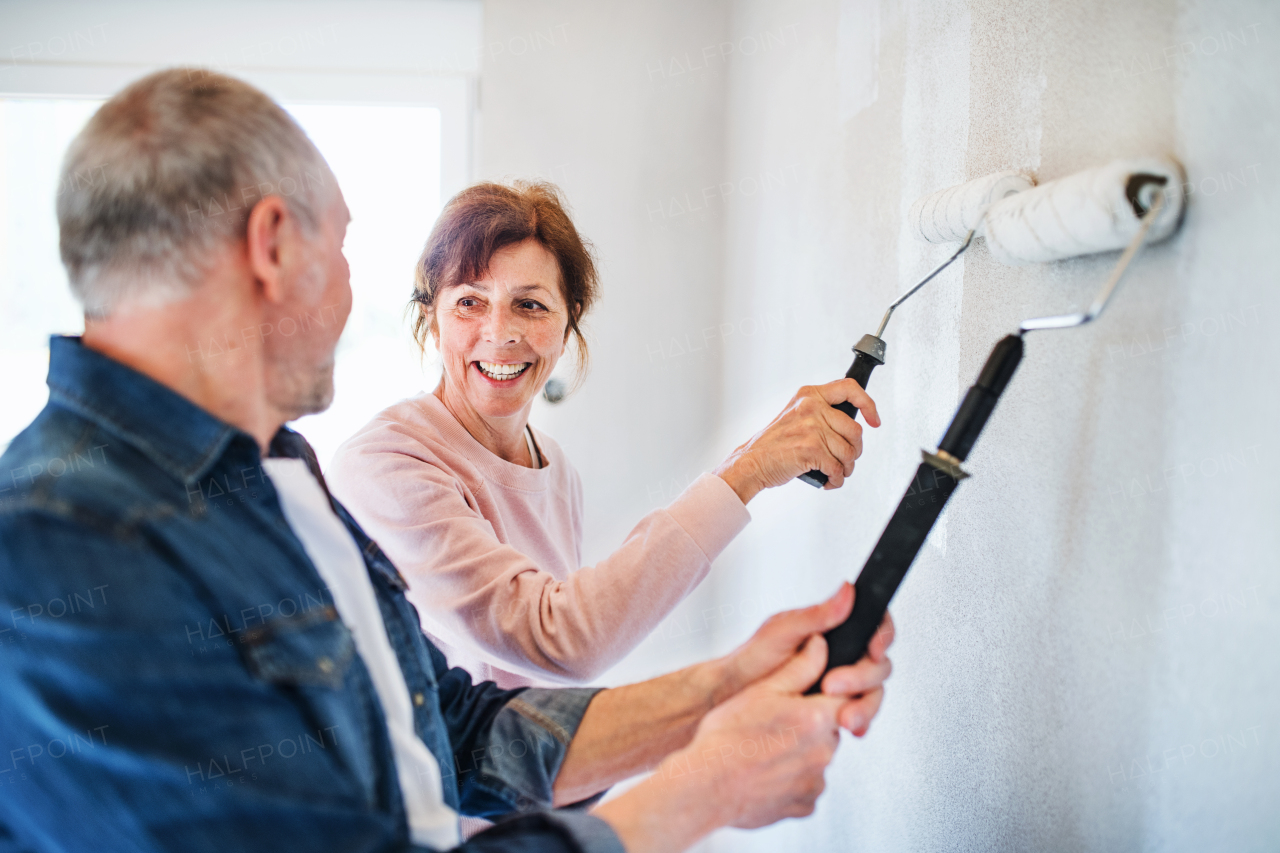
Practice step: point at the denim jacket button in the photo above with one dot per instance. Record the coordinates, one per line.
(325, 664)
(419, 699)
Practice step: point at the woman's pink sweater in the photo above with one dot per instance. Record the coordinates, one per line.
(492, 551)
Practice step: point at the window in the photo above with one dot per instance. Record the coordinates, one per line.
(386, 89)
(394, 198)
(35, 301)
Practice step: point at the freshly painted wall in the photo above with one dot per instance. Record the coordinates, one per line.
(1089, 647)
(1089, 652)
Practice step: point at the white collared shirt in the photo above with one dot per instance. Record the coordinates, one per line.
(337, 559)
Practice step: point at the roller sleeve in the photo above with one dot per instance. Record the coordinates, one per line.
(947, 216)
(1097, 210)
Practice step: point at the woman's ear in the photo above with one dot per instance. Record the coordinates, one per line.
(568, 327)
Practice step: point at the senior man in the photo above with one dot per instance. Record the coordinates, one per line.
(205, 652)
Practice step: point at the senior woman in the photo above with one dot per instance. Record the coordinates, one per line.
(483, 513)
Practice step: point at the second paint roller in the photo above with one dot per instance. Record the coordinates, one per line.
(945, 216)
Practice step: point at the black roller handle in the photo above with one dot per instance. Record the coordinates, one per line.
(869, 355)
(901, 540)
(935, 481)
(981, 399)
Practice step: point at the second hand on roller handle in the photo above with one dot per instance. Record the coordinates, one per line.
(870, 355)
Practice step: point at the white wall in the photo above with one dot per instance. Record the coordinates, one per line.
(1088, 647)
(569, 93)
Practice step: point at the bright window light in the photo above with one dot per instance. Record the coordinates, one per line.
(34, 299)
(387, 160)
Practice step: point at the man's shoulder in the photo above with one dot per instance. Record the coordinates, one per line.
(76, 550)
(81, 510)
(65, 465)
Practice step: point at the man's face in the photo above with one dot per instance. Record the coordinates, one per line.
(305, 329)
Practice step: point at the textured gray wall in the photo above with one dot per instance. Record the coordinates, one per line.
(1088, 654)
(1089, 650)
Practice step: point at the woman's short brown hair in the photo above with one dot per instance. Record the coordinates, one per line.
(484, 218)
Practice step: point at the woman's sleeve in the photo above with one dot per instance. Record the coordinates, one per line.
(478, 594)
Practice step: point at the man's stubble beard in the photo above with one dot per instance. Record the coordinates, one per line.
(302, 389)
(317, 396)
(301, 386)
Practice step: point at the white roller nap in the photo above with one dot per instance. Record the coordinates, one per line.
(1080, 214)
(948, 216)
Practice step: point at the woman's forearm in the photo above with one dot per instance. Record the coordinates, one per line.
(577, 627)
(491, 600)
(629, 730)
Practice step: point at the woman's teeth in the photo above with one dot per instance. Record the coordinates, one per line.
(501, 371)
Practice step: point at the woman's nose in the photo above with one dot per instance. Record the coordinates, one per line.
(502, 326)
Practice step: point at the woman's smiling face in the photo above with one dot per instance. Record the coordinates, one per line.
(500, 337)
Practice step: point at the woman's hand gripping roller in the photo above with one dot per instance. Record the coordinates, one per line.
(943, 217)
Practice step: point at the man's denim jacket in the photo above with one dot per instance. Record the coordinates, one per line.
(173, 674)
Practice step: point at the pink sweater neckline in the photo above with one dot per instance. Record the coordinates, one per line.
(490, 464)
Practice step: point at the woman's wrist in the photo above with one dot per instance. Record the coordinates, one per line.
(743, 482)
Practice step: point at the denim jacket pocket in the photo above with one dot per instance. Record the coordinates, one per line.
(312, 648)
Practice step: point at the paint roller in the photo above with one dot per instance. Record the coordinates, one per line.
(1086, 213)
(1125, 204)
(945, 216)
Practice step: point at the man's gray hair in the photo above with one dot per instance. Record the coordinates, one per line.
(165, 173)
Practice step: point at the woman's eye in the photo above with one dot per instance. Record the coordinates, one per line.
(530, 305)
(466, 302)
